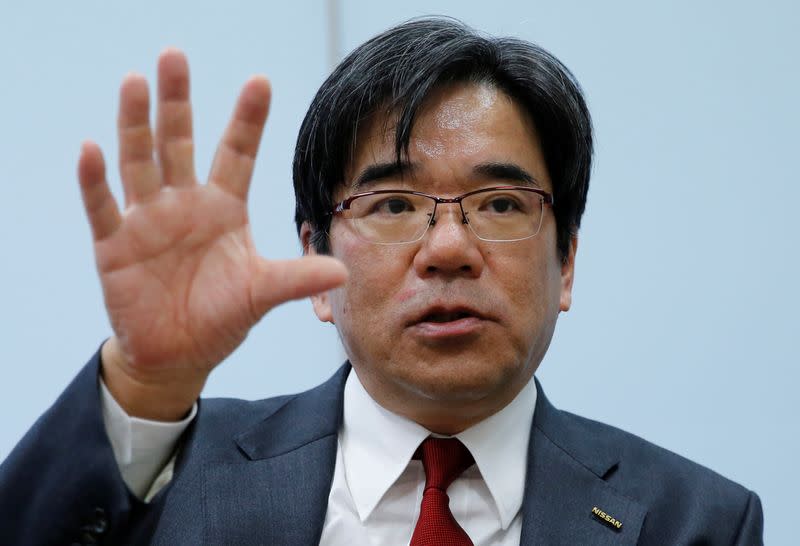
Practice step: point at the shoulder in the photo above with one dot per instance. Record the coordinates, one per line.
(641, 461)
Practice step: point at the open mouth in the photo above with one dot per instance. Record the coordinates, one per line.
(446, 316)
(439, 324)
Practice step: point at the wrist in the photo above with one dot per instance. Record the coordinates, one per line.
(159, 395)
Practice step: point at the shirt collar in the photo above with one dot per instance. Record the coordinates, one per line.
(377, 446)
(499, 445)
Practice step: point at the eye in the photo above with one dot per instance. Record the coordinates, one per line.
(501, 204)
(393, 206)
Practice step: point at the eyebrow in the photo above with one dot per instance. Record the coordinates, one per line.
(506, 171)
(491, 171)
(382, 171)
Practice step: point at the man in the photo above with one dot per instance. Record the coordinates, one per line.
(440, 179)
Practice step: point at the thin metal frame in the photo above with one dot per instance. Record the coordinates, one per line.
(342, 207)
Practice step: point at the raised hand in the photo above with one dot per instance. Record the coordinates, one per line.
(182, 281)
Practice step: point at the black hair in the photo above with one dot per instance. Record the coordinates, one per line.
(394, 72)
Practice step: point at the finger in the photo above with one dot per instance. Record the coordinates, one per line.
(140, 175)
(284, 280)
(236, 154)
(174, 142)
(101, 207)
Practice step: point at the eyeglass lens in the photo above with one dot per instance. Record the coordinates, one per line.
(497, 215)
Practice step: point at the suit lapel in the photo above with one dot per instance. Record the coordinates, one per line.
(567, 500)
(278, 492)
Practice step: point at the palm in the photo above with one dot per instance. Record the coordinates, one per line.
(178, 285)
(182, 281)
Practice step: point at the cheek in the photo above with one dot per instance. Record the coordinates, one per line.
(365, 309)
(376, 282)
(532, 288)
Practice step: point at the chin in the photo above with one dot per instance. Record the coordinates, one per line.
(461, 381)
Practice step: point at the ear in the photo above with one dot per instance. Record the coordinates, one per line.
(568, 275)
(322, 301)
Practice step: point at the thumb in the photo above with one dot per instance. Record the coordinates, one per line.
(279, 281)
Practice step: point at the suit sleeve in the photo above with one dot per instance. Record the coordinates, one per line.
(751, 528)
(61, 483)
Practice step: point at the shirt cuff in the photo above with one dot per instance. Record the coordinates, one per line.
(141, 447)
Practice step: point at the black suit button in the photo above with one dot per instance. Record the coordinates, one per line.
(99, 526)
(100, 523)
(95, 528)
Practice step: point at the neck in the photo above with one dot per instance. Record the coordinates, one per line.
(445, 413)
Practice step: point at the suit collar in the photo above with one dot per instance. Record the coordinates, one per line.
(581, 443)
(302, 419)
(568, 463)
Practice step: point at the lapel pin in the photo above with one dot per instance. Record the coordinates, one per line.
(608, 519)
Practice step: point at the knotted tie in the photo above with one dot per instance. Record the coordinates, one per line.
(444, 459)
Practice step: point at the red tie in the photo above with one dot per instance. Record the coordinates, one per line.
(444, 459)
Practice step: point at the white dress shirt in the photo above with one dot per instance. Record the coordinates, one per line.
(377, 486)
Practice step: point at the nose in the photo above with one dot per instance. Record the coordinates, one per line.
(449, 247)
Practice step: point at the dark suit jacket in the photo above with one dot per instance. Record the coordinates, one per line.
(260, 473)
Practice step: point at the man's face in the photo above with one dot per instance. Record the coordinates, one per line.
(447, 330)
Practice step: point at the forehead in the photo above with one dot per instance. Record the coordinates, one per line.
(457, 127)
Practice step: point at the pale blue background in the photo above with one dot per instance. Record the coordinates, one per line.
(684, 328)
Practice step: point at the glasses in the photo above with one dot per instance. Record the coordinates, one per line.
(502, 213)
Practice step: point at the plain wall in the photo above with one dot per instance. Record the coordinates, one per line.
(684, 326)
